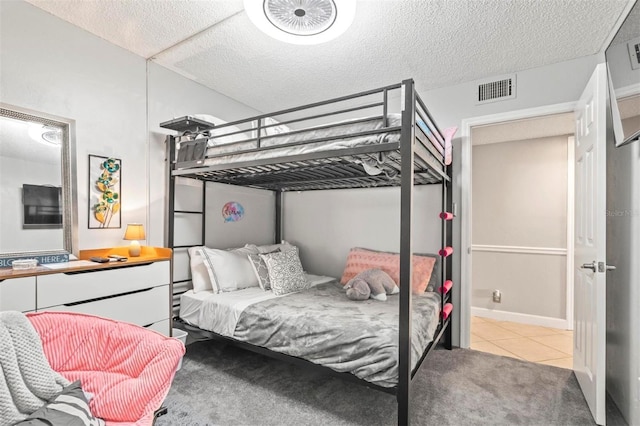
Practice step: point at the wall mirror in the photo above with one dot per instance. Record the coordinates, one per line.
(623, 64)
(38, 201)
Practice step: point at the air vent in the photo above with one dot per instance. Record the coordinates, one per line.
(497, 90)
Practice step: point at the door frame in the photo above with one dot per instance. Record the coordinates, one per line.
(466, 258)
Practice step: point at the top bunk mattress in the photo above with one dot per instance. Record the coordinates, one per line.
(320, 325)
(223, 149)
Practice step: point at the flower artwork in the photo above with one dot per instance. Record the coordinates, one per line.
(104, 187)
(232, 211)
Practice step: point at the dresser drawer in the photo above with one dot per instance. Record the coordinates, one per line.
(18, 294)
(58, 289)
(143, 307)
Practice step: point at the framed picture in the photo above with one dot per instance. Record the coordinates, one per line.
(104, 192)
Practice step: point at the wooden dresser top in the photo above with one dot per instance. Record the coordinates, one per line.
(148, 254)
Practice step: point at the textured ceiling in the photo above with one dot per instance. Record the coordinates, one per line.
(439, 43)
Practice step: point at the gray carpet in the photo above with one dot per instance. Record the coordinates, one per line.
(223, 385)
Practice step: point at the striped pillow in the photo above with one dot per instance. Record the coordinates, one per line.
(69, 408)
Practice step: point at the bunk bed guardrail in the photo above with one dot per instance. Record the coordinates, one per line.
(375, 131)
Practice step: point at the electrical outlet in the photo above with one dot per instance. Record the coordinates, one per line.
(497, 296)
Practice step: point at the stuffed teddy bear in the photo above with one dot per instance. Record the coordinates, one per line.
(374, 283)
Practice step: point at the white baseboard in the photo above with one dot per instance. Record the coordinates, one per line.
(520, 318)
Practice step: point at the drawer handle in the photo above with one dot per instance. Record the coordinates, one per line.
(108, 267)
(111, 296)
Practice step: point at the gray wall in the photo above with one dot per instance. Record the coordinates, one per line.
(520, 193)
(326, 224)
(623, 284)
(520, 203)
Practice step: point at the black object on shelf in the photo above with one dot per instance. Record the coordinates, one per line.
(187, 124)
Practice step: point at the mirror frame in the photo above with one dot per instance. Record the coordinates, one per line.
(68, 175)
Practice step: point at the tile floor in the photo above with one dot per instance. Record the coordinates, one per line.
(527, 342)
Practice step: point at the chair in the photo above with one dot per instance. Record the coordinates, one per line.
(128, 369)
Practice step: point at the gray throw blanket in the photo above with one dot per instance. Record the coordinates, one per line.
(27, 381)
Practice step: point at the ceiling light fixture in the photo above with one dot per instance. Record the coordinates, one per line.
(301, 21)
(45, 134)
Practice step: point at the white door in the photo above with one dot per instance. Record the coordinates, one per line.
(590, 237)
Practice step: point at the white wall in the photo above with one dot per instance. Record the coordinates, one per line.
(326, 224)
(172, 96)
(520, 204)
(52, 66)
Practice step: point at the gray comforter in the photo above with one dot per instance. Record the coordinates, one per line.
(322, 326)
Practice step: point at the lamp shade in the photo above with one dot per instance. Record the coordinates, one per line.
(135, 231)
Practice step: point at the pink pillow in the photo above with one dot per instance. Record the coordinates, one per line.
(360, 259)
(448, 135)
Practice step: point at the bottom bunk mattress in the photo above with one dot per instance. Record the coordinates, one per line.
(319, 325)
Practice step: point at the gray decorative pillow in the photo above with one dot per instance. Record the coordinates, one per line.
(261, 270)
(285, 272)
(69, 408)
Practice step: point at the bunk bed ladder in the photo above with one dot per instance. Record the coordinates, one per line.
(447, 262)
(171, 225)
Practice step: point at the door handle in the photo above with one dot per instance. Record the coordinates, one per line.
(603, 267)
(593, 266)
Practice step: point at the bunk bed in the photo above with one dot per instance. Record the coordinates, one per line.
(313, 147)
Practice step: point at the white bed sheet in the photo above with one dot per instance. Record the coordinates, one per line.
(220, 312)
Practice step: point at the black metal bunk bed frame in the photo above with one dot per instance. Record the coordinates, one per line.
(420, 161)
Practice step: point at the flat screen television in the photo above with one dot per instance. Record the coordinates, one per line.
(623, 65)
(41, 206)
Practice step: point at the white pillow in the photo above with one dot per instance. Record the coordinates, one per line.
(222, 131)
(275, 130)
(229, 270)
(199, 274)
(285, 272)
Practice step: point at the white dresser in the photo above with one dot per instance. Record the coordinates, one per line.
(137, 291)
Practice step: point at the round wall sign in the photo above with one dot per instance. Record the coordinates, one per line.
(232, 211)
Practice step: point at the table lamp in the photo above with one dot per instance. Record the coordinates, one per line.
(134, 232)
